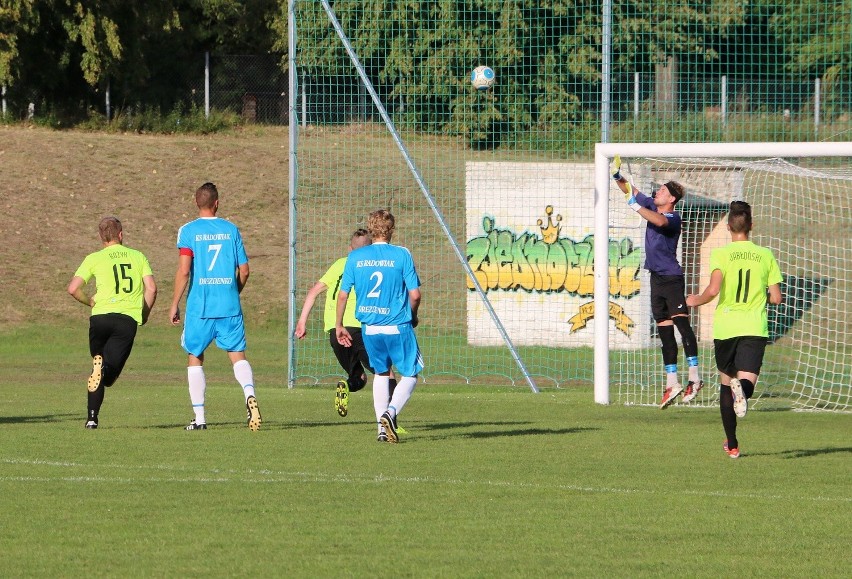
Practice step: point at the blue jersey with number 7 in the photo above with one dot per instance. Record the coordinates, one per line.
(216, 247)
(382, 275)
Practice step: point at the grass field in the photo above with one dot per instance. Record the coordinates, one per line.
(488, 482)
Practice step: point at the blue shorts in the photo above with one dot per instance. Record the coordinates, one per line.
(393, 346)
(230, 334)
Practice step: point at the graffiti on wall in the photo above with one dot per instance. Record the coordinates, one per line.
(504, 260)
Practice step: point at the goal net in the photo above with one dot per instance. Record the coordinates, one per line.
(802, 207)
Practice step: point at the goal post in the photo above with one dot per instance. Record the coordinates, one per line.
(803, 213)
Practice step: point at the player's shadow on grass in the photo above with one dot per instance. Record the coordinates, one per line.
(807, 452)
(455, 425)
(265, 426)
(524, 429)
(67, 417)
(525, 432)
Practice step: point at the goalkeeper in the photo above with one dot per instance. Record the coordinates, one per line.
(668, 288)
(353, 359)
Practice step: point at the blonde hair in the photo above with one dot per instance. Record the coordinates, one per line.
(380, 224)
(109, 228)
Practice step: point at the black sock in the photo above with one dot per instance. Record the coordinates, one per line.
(96, 398)
(748, 387)
(729, 418)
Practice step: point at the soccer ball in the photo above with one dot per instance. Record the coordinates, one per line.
(482, 77)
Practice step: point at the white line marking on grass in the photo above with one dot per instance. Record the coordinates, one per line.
(269, 476)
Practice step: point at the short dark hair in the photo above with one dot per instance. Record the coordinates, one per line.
(739, 217)
(206, 195)
(676, 189)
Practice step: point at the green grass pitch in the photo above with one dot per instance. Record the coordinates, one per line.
(489, 482)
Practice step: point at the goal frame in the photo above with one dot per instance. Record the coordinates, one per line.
(604, 152)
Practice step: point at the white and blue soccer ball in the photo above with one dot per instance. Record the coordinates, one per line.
(482, 77)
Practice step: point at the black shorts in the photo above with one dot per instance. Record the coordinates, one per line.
(668, 296)
(740, 354)
(111, 336)
(354, 359)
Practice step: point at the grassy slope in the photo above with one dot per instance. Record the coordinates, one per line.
(55, 187)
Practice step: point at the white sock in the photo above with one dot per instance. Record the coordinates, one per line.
(197, 387)
(402, 393)
(671, 379)
(243, 374)
(381, 390)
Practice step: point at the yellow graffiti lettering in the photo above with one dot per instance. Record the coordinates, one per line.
(504, 261)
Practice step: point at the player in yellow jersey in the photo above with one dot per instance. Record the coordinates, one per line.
(125, 294)
(744, 276)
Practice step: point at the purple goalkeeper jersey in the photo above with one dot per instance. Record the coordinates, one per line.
(661, 242)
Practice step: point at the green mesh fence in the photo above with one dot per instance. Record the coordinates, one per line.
(510, 168)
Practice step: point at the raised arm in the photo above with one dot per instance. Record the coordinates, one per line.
(636, 200)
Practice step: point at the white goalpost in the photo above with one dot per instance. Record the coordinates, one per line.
(801, 194)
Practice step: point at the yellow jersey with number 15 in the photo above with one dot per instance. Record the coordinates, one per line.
(118, 273)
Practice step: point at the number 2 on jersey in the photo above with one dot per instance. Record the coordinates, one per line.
(375, 292)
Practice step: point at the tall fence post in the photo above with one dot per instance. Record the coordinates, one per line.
(606, 70)
(3, 91)
(207, 84)
(106, 101)
(816, 106)
(293, 184)
(724, 99)
(305, 80)
(635, 96)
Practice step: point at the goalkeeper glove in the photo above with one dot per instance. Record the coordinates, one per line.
(615, 167)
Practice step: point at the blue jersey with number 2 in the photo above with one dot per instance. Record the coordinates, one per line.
(382, 275)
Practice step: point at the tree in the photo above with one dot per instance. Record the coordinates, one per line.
(817, 34)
